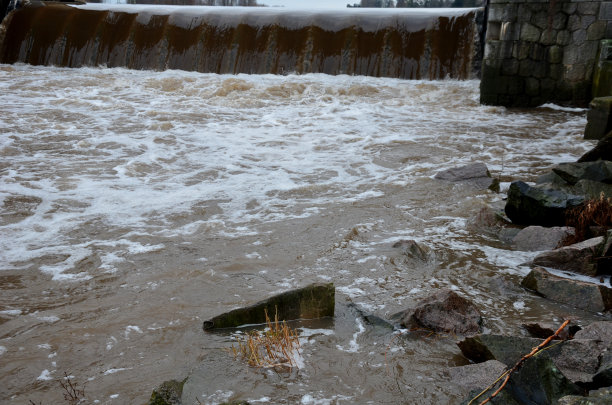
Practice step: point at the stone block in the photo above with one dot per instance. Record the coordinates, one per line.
(515, 85)
(503, 12)
(589, 8)
(575, 72)
(556, 71)
(555, 54)
(585, 52)
(559, 21)
(493, 31)
(537, 52)
(492, 50)
(510, 32)
(602, 77)
(586, 21)
(548, 86)
(579, 36)
(549, 37)
(599, 118)
(540, 20)
(573, 22)
(510, 67)
(563, 38)
(570, 8)
(532, 86)
(605, 11)
(526, 68)
(530, 33)
(597, 30)
(520, 50)
(524, 13)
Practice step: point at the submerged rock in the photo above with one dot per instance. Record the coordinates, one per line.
(588, 296)
(475, 174)
(529, 205)
(445, 312)
(413, 250)
(578, 258)
(168, 393)
(311, 302)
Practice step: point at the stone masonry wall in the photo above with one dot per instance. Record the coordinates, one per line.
(540, 51)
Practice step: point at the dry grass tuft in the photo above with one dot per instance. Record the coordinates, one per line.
(276, 346)
(590, 219)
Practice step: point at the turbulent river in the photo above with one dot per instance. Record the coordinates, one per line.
(136, 204)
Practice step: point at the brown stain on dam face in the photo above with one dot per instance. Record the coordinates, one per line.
(60, 35)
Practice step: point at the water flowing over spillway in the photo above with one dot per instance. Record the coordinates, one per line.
(415, 44)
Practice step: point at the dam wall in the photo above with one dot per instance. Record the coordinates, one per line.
(407, 44)
(540, 51)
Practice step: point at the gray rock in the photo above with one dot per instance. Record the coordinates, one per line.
(475, 174)
(444, 312)
(600, 331)
(583, 295)
(592, 189)
(598, 171)
(528, 205)
(311, 302)
(603, 150)
(507, 349)
(540, 382)
(599, 118)
(578, 258)
(537, 238)
(476, 376)
(578, 359)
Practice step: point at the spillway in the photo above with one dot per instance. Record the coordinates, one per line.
(407, 44)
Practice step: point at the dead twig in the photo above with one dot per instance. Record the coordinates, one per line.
(506, 374)
(72, 394)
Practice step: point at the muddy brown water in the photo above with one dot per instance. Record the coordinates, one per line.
(137, 204)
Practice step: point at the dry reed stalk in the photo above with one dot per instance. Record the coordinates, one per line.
(276, 346)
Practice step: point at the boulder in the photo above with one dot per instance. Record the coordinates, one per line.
(599, 118)
(598, 171)
(578, 359)
(475, 174)
(578, 258)
(443, 312)
(528, 205)
(537, 238)
(603, 377)
(600, 331)
(588, 296)
(540, 382)
(311, 302)
(476, 376)
(603, 150)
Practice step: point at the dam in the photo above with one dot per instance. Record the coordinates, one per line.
(417, 44)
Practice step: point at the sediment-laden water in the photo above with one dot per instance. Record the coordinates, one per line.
(136, 204)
